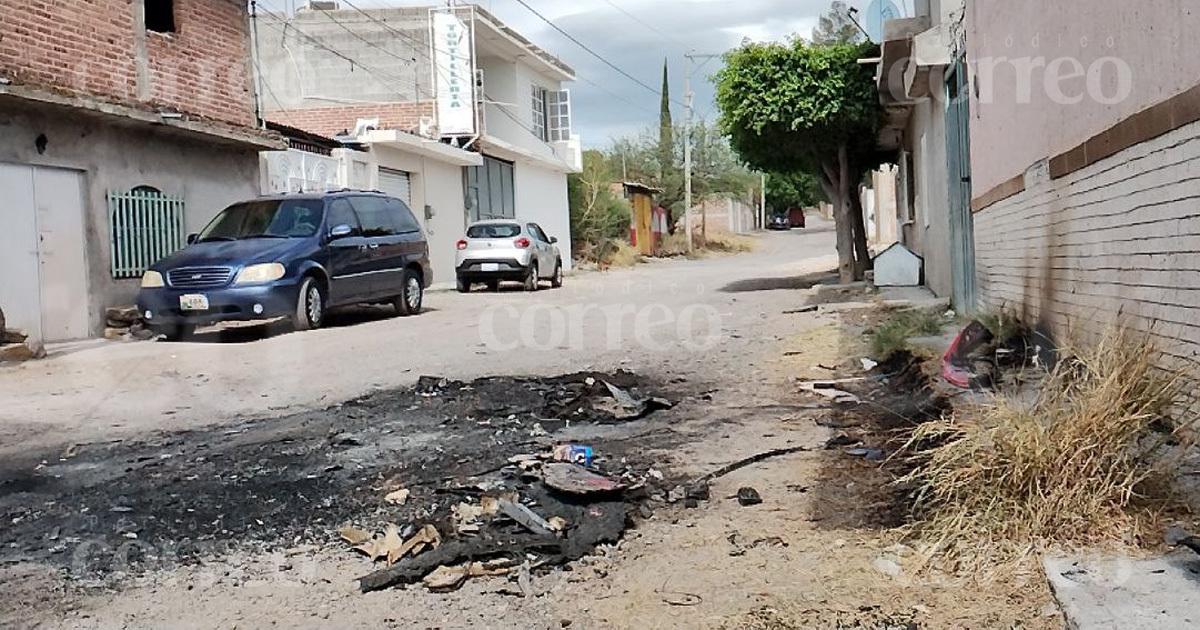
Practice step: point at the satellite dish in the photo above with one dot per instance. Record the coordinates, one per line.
(879, 12)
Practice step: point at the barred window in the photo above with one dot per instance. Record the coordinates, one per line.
(144, 227)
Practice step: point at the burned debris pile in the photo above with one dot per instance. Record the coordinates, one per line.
(547, 502)
(457, 478)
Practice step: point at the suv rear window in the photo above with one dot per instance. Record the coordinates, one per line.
(494, 230)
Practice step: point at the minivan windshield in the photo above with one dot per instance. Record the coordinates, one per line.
(494, 230)
(268, 218)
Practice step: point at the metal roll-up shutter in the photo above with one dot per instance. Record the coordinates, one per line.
(395, 183)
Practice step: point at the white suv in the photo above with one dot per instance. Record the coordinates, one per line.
(507, 249)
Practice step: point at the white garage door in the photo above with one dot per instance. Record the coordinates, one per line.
(395, 183)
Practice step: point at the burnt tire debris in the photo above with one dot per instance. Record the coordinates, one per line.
(395, 461)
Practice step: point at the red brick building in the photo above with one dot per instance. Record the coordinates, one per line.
(124, 125)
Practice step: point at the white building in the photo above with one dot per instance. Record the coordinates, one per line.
(459, 115)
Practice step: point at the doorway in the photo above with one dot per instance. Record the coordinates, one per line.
(42, 252)
(958, 158)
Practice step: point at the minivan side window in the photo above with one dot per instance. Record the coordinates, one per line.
(341, 213)
(374, 216)
(402, 216)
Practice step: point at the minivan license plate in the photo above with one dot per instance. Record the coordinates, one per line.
(490, 267)
(193, 302)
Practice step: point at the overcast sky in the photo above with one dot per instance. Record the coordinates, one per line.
(703, 26)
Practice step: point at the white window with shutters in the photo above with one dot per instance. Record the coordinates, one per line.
(558, 115)
(538, 104)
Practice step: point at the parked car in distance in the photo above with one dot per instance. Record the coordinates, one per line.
(291, 256)
(779, 222)
(506, 249)
(796, 216)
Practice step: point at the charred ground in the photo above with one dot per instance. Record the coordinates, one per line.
(275, 483)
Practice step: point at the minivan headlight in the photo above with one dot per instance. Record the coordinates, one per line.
(257, 274)
(152, 279)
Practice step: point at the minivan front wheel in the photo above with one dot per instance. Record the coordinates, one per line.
(177, 332)
(310, 305)
(409, 302)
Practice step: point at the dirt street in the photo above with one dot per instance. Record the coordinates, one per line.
(202, 485)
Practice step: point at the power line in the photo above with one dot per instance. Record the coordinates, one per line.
(613, 94)
(380, 76)
(643, 23)
(589, 50)
(365, 40)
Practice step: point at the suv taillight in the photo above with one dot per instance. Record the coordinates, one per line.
(521, 243)
(461, 244)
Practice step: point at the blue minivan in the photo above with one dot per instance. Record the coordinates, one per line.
(290, 256)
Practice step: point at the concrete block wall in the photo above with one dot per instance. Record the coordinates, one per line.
(99, 49)
(1119, 237)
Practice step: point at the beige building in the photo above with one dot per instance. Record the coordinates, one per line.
(923, 127)
(1085, 152)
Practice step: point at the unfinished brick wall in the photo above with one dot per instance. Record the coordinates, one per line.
(1121, 236)
(97, 48)
(86, 46)
(204, 67)
(329, 121)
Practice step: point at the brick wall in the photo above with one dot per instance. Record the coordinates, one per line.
(85, 46)
(91, 48)
(1121, 236)
(329, 121)
(203, 67)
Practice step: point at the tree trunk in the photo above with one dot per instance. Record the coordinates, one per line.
(848, 268)
(830, 182)
(862, 253)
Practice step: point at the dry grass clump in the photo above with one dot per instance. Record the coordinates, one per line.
(724, 243)
(673, 245)
(1080, 464)
(622, 254)
(892, 335)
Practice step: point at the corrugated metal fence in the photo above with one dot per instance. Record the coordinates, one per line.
(144, 227)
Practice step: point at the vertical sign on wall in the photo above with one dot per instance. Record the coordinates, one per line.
(454, 74)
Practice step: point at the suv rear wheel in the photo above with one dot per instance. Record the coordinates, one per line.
(409, 302)
(531, 278)
(557, 280)
(463, 286)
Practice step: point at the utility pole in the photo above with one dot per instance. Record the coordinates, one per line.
(762, 203)
(687, 149)
(258, 78)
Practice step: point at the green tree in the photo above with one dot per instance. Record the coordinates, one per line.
(666, 131)
(836, 27)
(797, 188)
(598, 213)
(790, 107)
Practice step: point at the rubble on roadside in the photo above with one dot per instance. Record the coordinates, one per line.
(126, 323)
(538, 508)
(13, 346)
(533, 509)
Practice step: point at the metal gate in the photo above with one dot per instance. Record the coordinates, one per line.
(144, 226)
(396, 184)
(45, 286)
(958, 162)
